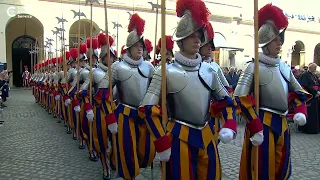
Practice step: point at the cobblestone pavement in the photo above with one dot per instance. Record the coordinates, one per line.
(34, 146)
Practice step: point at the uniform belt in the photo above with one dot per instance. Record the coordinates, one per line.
(188, 124)
(275, 111)
(131, 107)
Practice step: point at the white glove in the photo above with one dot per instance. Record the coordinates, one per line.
(57, 97)
(67, 102)
(300, 119)
(77, 108)
(90, 115)
(257, 138)
(113, 128)
(226, 135)
(164, 155)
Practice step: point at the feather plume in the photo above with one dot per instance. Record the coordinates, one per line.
(123, 51)
(198, 9)
(102, 39)
(116, 53)
(169, 43)
(95, 43)
(83, 48)
(67, 55)
(210, 31)
(137, 23)
(148, 44)
(26, 66)
(271, 12)
(54, 60)
(74, 53)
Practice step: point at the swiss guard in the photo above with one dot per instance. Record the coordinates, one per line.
(100, 114)
(206, 48)
(186, 143)
(84, 75)
(132, 77)
(26, 75)
(269, 129)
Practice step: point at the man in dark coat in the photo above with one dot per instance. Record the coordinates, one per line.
(232, 78)
(310, 83)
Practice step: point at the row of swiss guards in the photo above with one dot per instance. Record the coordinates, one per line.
(127, 127)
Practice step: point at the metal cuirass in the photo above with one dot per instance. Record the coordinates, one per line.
(84, 74)
(72, 77)
(100, 77)
(132, 82)
(188, 97)
(274, 89)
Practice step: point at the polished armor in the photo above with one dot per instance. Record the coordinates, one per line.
(218, 70)
(72, 76)
(185, 86)
(132, 81)
(275, 83)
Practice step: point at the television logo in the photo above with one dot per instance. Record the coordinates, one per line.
(12, 11)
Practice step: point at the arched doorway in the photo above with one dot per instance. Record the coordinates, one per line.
(84, 31)
(21, 57)
(316, 58)
(22, 32)
(298, 54)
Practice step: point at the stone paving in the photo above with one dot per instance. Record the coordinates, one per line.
(34, 146)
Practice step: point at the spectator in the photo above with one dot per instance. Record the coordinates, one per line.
(310, 83)
(232, 78)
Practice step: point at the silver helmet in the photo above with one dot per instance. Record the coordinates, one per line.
(135, 29)
(194, 14)
(102, 39)
(208, 36)
(272, 23)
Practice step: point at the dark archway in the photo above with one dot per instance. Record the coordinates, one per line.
(21, 57)
(316, 58)
(298, 52)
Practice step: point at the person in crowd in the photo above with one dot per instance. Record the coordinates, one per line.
(232, 78)
(310, 83)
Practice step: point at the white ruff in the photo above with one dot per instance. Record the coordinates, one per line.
(269, 60)
(186, 61)
(130, 61)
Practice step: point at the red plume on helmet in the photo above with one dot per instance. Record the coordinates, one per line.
(198, 9)
(25, 66)
(95, 43)
(123, 51)
(54, 60)
(271, 12)
(74, 53)
(169, 44)
(210, 31)
(68, 55)
(148, 44)
(83, 48)
(137, 23)
(102, 39)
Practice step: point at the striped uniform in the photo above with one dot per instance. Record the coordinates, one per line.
(194, 154)
(135, 147)
(274, 153)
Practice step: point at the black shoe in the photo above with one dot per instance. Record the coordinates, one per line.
(82, 146)
(59, 121)
(94, 158)
(106, 177)
(69, 131)
(74, 138)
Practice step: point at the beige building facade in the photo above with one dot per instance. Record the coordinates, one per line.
(26, 23)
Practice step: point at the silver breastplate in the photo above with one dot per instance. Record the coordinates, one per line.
(132, 83)
(188, 98)
(274, 90)
(100, 79)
